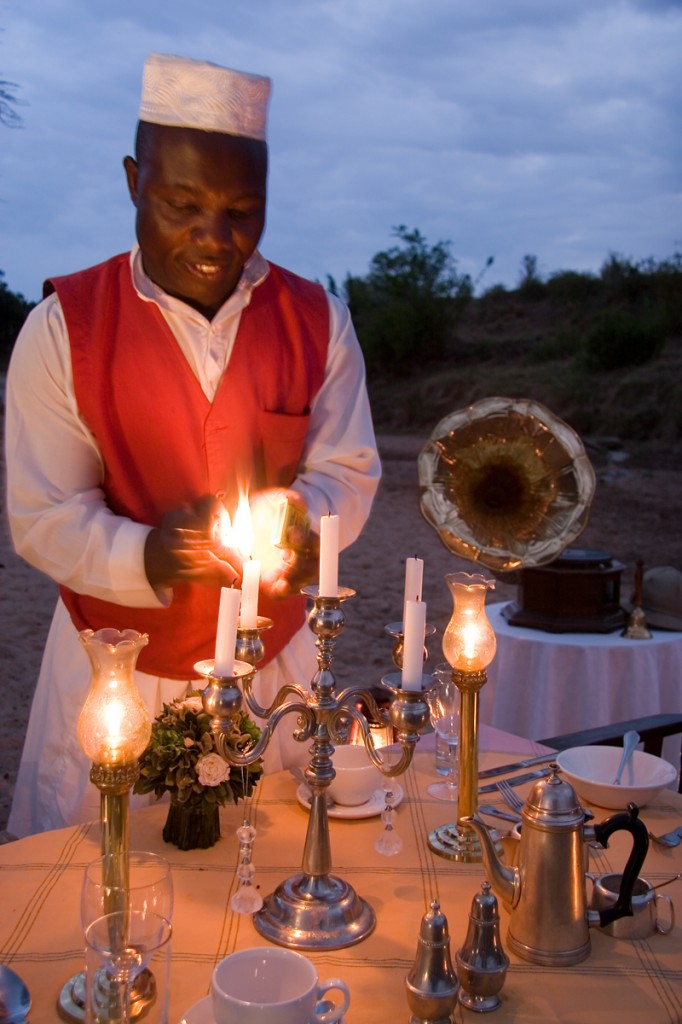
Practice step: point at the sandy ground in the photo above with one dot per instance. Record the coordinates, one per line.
(635, 515)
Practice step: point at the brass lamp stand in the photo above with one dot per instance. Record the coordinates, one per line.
(113, 730)
(469, 647)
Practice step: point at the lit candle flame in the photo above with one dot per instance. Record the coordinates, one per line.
(238, 535)
(113, 714)
(242, 528)
(471, 637)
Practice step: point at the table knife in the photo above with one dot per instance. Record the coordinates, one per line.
(497, 812)
(502, 769)
(517, 780)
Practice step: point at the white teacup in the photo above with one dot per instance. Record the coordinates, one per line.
(273, 986)
(356, 777)
(645, 902)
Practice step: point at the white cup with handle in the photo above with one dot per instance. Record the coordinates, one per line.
(270, 985)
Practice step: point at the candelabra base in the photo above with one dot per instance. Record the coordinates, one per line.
(455, 842)
(315, 913)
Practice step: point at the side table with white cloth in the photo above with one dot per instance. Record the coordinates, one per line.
(628, 981)
(545, 684)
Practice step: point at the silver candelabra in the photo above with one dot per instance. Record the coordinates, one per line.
(314, 909)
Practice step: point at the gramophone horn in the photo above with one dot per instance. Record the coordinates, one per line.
(505, 482)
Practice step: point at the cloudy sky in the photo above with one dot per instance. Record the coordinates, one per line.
(507, 127)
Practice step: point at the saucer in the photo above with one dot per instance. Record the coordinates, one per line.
(202, 1013)
(369, 809)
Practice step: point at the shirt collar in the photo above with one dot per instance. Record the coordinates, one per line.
(256, 269)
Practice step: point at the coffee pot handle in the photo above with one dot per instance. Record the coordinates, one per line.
(629, 821)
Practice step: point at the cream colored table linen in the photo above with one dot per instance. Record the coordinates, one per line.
(630, 983)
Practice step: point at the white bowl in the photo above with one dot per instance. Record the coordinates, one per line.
(356, 777)
(591, 771)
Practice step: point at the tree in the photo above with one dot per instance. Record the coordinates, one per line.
(13, 311)
(406, 307)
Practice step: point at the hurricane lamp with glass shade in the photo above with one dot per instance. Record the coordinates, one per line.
(469, 646)
(113, 729)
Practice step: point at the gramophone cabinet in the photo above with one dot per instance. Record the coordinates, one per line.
(579, 592)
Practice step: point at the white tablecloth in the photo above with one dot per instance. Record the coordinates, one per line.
(545, 684)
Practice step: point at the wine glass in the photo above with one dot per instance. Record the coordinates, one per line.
(443, 700)
(149, 888)
(119, 948)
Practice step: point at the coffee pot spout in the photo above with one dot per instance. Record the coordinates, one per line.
(505, 880)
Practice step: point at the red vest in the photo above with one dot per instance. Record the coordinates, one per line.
(163, 443)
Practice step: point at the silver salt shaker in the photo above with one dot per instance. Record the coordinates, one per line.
(431, 983)
(481, 962)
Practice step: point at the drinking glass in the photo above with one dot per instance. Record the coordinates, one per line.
(119, 949)
(150, 887)
(444, 699)
(149, 890)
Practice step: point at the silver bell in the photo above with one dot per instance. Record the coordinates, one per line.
(481, 962)
(431, 983)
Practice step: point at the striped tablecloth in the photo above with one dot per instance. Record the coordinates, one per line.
(626, 982)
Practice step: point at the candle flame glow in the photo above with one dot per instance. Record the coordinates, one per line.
(113, 714)
(471, 636)
(242, 528)
(238, 535)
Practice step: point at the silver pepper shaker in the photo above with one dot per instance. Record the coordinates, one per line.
(481, 962)
(431, 983)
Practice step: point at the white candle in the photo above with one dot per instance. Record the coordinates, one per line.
(248, 612)
(226, 635)
(414, 631)
(329, 556)
(414, 576)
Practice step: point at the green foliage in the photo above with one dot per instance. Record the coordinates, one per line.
(13, 311)
(572, 286)
(182, 758)
(620, 339)
(603, 351)
(405, 309)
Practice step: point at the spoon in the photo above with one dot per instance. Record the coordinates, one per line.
(667, 881)
(15, 1000)
(630, 741)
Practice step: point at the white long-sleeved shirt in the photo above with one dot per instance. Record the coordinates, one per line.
(61, 524)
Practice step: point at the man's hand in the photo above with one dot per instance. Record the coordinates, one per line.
(300, 564)
(294, 561)
(183, 550)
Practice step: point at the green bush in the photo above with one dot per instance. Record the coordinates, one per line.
(13, 311)
(572, 286)
(622, 339)
(405, 309)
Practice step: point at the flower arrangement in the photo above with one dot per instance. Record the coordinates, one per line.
(181, 759)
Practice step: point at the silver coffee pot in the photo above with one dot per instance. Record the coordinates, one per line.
(545, 889)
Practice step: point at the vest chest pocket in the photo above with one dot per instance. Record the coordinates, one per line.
(282, 440)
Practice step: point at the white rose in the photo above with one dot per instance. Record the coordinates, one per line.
(193, 704)
(212, 770)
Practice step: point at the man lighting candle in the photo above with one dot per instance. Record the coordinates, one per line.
(139, 389)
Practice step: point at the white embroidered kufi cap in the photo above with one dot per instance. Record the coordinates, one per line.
(188, 93)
